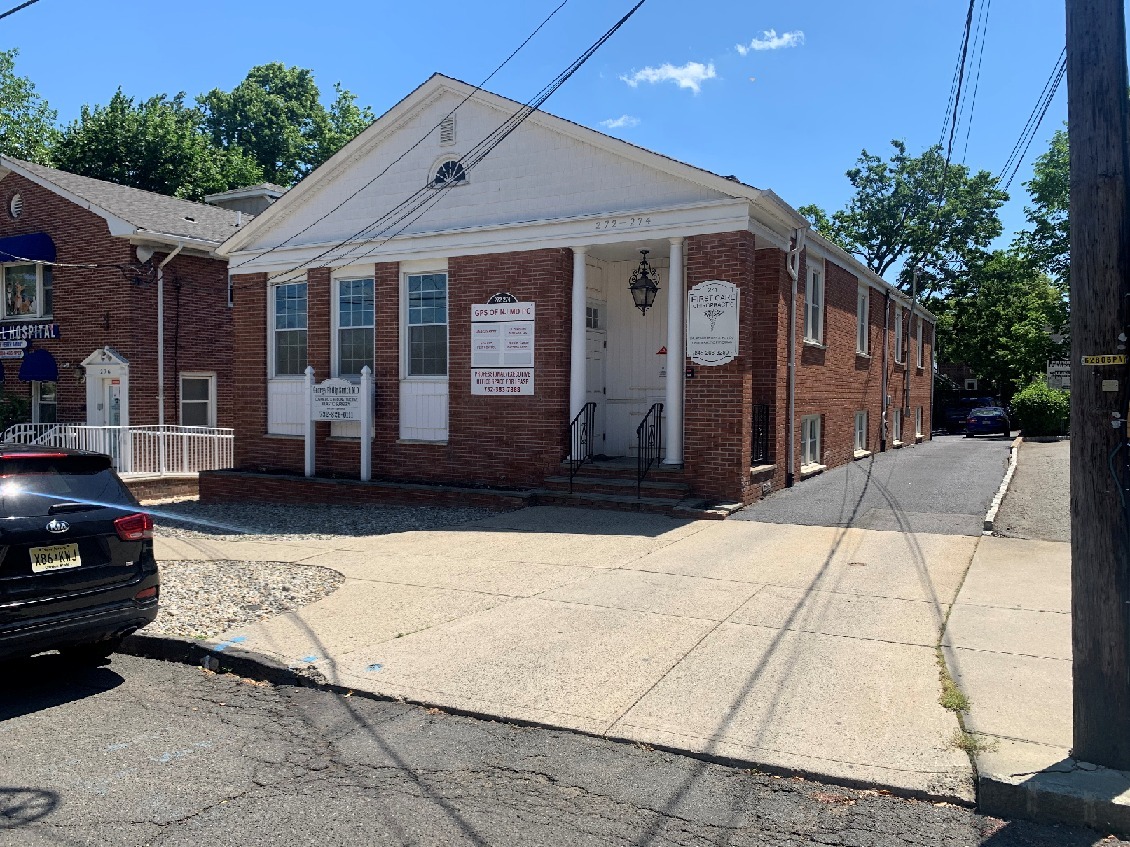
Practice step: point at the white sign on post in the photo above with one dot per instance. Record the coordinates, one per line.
(341, 400)
(502, 346)
(712, 322)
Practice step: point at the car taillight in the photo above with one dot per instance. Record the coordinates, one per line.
(134, 527)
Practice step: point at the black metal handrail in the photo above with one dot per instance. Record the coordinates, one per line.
(649, 443)
(580, 439)
(760, 455)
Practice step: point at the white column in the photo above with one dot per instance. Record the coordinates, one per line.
(578, 368)
(673, 402)
(366, 424)
(309, 427)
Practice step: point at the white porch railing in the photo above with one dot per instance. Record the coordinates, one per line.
(137, 449)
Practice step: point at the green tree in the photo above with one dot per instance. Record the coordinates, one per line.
(1048, 242)
(155, 144)
(1000, 323)
(27, 123)
(915, 210)
(276, 117)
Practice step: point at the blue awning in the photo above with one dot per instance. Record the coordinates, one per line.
(36, 247)
(39, 366)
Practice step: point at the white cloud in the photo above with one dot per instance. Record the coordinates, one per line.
(620, 122)
(691, 75)
(769, 40)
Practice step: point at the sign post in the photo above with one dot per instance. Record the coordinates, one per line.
(366, 424)
(309, 420)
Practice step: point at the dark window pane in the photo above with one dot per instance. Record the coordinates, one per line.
(194, 414)
(427, 351)
(195, 388)
(20, 285)
(290, 352)
(355, 350)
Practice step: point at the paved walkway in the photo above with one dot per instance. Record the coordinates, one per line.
(809, 648)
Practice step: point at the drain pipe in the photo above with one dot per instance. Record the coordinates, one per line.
(886, 398)
(161, 348)
(792, 264)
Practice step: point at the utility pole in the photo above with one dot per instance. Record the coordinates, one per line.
(1098, 123)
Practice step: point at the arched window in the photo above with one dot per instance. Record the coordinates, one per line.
(449, 173)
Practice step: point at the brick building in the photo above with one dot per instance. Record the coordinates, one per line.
(81, 259)
(343, 273)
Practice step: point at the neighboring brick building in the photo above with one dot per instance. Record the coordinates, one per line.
(80, 261)
(341, 273)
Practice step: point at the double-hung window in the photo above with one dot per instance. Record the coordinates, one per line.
(355, 312)
(898, 332)
(809, 440)
(860, 431)
(198, 399)
(28, 291)
(918, 421)
(896, 426)
(44, 406)
(814, 306)
(863, 321)
(921, 342)
(290, 307)
(427, 325)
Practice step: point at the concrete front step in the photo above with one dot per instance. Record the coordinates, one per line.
(625, 470)
(616, 485)
(688, 507)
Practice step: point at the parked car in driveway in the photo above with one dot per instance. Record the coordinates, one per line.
(956, 410)
(988, 420)
(77, 572)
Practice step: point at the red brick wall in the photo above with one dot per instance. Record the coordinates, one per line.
(503, 441)
(104, 306)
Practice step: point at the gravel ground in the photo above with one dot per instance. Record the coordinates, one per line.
(279, 522)
(203, 599)
(1038, 501)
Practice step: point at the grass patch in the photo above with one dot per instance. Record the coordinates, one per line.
(952, 697)
(971, 743)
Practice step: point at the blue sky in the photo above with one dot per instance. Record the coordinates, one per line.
(830, 79)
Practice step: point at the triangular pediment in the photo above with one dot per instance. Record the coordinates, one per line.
(105, 356)
(546, 169)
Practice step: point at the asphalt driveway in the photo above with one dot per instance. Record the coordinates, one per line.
(941, 486)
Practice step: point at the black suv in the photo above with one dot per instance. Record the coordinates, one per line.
(77, 572)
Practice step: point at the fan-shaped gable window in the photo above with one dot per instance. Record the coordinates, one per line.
(450, 172)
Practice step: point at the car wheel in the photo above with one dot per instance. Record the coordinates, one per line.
(92, 653)
(969, 435)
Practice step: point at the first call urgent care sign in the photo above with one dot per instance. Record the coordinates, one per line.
(502, 346)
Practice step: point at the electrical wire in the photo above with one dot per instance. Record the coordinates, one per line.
(1032, 125)
(960, 80)
(413, 207)
(983, 29)
(419, 141)
(17, 8)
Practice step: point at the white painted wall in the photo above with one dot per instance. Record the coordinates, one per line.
(534, 174)
(423, 410)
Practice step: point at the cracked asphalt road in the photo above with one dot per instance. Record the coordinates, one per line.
(143, 752)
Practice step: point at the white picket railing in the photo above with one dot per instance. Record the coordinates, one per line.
(137, 449)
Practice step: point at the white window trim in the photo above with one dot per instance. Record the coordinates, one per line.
(863, 321)
(208, 375)
(860, 444)
(918, 422)
(898, 333)
(231, 291)
(335, 323)
(806, 422)
(921, 342)
(38, 293)
(896, 427)
(448, 156)
(35, 402)
(404, 375)
(813, 271)
(271, 327)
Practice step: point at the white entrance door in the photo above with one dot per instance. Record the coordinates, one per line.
(595, 345)
(112, 397)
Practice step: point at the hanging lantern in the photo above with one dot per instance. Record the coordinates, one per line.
(644, 284)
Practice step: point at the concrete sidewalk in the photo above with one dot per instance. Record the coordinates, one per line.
(1008, 645)
(801, 648)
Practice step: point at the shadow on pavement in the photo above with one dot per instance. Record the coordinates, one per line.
(48, 680)
(22, 806)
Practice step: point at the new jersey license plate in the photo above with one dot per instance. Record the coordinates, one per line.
(54, 558)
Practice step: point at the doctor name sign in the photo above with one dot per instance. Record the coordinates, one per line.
(336, 400)
(712, 322)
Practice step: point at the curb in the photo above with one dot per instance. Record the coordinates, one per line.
(251, 665)
(989, 525)
(1070, 792)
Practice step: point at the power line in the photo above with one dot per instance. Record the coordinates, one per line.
(420, 141)
(1032, 125)
(960, 79)
(983, 29)
(423, 199)
(17, 8)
